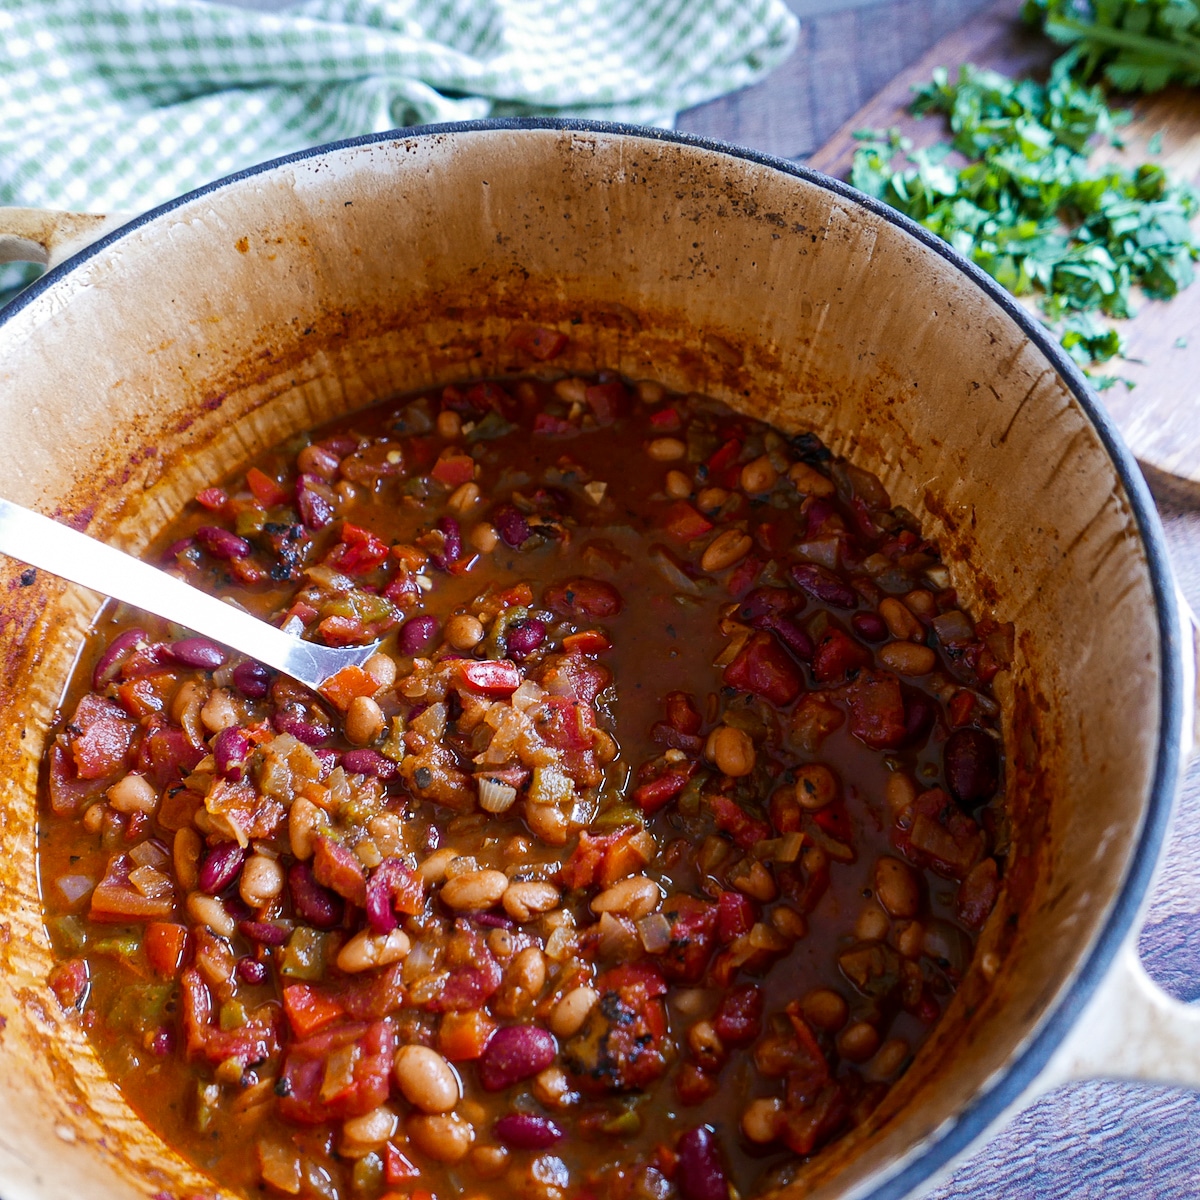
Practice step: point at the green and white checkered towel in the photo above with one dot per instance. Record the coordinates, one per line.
(118, 105)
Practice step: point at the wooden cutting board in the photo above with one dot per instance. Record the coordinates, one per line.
(1160, 416)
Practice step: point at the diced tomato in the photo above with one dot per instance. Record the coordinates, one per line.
(539, 342)
(104, 737)
(725, 456)
(876, 709)
(607, 400)
(836, 654)
(742, 577)
(602, 858)
(214, 499)
(493, 678)
(342, 631)
(267, 491)
(813, 720)
(737, 822)
(253, 1042)
(338, 868)
(488, 394)
(835, 820)
(359, 551)
(658, 793)
(682, 713)
(736, 915)
(454, 469)
(463, 1036)
(684, 522)
(397, 1168)
(665, 420)
(67, 791)
(547, 425)
(693, 930)
(166, 943)
(141, 697)
(337, 1074)
(308, 1009)
(738, 1020)
(586, 641)
(764, 668)
(348, 684)
(960, 708)
(69, 981)
(468, 988)
(570, 727)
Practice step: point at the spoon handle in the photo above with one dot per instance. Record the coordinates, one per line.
(33, 538)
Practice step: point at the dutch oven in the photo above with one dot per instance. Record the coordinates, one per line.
(187, 341)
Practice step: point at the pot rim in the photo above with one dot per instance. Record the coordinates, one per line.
(990, 1105)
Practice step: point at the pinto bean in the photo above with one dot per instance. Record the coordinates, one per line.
(858, 1042)
(763, 1119)
(897, 887)
(426, 1079)
(364, 721)
(444, 1137)
(731, 750)
(633, 897)
(261, 881)
(816, 786)
(133, 793)
(728, 547)
(908, 658)
(825, 1009)
(568, 1015)
(666, 449)
(366, 950)
(525, 900)
(463, 631)
(474, 890)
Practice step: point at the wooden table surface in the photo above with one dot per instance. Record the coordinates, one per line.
(1087, 1141)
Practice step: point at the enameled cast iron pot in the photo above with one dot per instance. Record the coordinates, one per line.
(168, 352)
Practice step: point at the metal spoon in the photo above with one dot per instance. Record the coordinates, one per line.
(35, 539)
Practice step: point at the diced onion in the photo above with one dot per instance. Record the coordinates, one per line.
(151, 883)
(953, 628)
(280, 1166)
(150, 853)
(824, 551)
(494, 796)
(73, 887)
(655, 932)
(339, 1072)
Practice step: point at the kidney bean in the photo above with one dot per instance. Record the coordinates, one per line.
(918, 715)
(972, 763)
(314, 500)
(584, 597)
(163, 1042)
(220, 867)
(510, 525)
(320, 907)
(250, 970)
(329, 758)
(524, 637)
(514, 1053)
(231, 749)
(490, 920)
(252, 679)
(869, 626)
(109, 666)
(199, 652)
(368, 762)
(390, 882)
(293, 720)
(524, 1131)
(701, 1174)
(451, 543)
(264, 932)
(220, 543)
(796, 639)
(822, 584)
(416, 634)
(318, 460)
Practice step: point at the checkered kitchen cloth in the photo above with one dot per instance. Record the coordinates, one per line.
(118, 105)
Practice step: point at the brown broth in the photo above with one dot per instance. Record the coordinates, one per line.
(664, 639)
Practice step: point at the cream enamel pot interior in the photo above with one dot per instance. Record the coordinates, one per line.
(175, 348)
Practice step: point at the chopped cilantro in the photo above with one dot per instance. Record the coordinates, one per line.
(1135, 45)
(1015, 192)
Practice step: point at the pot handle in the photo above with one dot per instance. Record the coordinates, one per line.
(1131, 1028)
(47, 237)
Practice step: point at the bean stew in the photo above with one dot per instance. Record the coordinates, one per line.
(639, 860)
